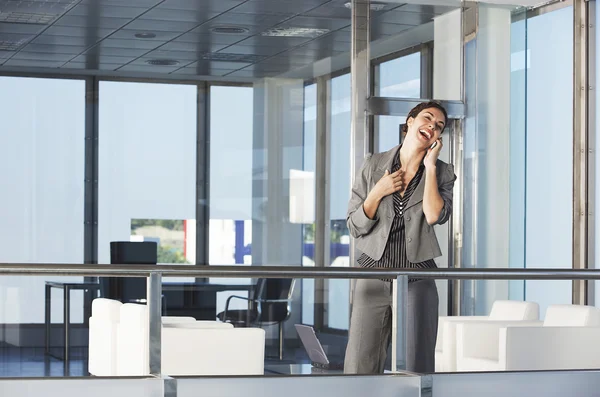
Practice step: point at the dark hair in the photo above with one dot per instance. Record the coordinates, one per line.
(418, 109)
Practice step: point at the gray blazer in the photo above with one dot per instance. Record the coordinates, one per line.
(371, 235)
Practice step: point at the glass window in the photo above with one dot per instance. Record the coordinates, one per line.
(397, 78)
(549, 153)
(147, 168)
(231, 143)
(310, 163)
(42, 203)
(338, 298)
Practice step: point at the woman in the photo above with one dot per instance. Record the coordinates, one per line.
(396, 199)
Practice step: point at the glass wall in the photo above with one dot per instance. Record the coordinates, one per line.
(396, 78)
(527, 129)
(41, 206)
(147, 168)
(338, 298)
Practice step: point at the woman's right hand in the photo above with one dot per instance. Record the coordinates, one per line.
(388, 184)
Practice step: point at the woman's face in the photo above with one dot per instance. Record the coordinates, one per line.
(427, 127)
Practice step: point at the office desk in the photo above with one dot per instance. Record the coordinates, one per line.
(196, 299)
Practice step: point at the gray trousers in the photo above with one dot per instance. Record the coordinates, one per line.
(371, 327)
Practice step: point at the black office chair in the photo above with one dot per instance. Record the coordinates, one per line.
(269, 303)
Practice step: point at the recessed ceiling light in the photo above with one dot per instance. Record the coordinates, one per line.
(162, 62)
(230, 29)
(373, 6)
(295, 32)
(145, 35)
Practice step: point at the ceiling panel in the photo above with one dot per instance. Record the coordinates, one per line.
(258, 50)
(320, 23)
(32, 63)
(20, 28)
(84, 66)
(275, 42)
(42, 56)
(253, 22)
(201, 71)
(426, 9)
(201, 5)
(277, 7)
(141, 68)
(77, 31)
(97, 58)
(102, 50)
(57, 41)
(106, 11)
(154, 25)
(120, 3)
(92, 21)
(252, 74)
(50, 49)
(164, 14)
(130, 42)
(129, 34)
(193, 47)
(181, 56)
(213, 38)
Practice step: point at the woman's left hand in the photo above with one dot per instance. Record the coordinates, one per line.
(432, 154)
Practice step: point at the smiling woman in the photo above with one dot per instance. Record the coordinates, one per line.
(397, 198)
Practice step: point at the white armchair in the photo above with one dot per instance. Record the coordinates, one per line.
(568, 338)
(103, 328)
(189, 347)
(502, 310)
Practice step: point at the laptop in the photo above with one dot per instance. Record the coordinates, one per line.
(314, 349)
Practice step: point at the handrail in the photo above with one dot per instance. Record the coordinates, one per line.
(99, 270)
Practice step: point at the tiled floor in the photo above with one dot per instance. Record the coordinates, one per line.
(32, 362)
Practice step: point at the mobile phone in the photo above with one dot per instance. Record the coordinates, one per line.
(433, 145)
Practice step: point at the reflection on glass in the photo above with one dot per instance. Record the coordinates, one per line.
(230, 227)
(339, 290)
(41, 206)
(147, 164)
(310, 151)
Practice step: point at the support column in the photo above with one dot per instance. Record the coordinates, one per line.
(277, 150)
(581, 87)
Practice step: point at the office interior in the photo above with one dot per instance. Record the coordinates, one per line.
(205, 134)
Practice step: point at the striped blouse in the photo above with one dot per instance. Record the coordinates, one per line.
(394, 255)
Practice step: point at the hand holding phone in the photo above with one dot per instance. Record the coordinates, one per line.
(434, 144)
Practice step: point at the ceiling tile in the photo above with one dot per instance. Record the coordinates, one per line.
(258, 50)
(130, 34)
(20, 28)
(203, 5)
(276, 42)
(120, 3)
(165, 14)
(213, 38)
(252, 74)
(262, 7)
(77, 31)
(94, 58)
(181, 56)
(148, 68)
(61, 40)
(153, 25)
(42, 56)
(35, 63)
(192, 47)
(130, 42)
(319, 23)
(83, 66)
(102, 50)
(58, 49)
(207, 65)
(387, 29)
(253, 22)
(193, 71)
(106, 11)
(96, 21)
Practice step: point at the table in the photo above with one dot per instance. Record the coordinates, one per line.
(67, 288)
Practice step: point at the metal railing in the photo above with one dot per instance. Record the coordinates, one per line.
(154, 273)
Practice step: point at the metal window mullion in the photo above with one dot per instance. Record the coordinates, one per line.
(591, 120)
(580, 145)
(202, 174)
